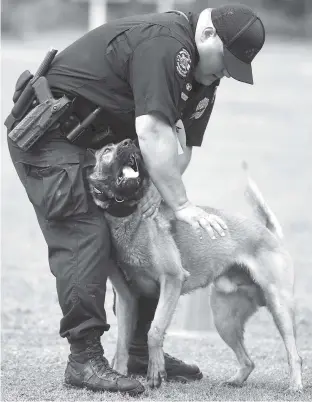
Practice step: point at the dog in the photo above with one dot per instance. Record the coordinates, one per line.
(165, 258)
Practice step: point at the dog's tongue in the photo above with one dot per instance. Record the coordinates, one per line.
(129, 172)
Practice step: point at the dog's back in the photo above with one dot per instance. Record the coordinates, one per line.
(244, 243)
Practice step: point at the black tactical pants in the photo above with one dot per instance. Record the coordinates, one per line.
(53, 173)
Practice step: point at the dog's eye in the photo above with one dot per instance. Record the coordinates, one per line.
(107, 150)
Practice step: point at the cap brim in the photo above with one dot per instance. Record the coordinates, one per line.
(237, 69)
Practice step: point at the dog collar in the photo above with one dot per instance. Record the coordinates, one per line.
(116, 208)
(120, 210)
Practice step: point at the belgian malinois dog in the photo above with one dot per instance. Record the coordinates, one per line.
(165, 258)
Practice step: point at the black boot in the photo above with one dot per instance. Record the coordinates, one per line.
(88, 368)
(176, 369)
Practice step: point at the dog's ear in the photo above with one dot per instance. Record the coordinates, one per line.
(101, 195)
(100, 184)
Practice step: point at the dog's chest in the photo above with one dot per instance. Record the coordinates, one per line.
(137, 264)
(139, 279)
(140, 253)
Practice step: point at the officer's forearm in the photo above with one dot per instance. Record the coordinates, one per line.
(184, 159)
(165, 172)
(159, 151)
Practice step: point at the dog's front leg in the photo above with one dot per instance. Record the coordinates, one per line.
(170, 290)
(126, 312)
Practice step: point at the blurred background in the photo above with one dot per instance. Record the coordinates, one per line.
(22, 18)
(269, 125)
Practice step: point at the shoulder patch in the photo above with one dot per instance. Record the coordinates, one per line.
(183, 62)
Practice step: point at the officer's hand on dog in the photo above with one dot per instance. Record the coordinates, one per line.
(149, 204)
(198, 218)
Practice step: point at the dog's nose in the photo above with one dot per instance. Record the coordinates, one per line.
(125, 143)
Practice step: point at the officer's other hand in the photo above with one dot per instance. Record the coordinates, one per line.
(198, 218)
(149, 204)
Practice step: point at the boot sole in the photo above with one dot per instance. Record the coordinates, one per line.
(174, 378)
(133, 392)
(187, 378)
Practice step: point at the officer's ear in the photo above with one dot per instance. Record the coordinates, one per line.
(208, 32)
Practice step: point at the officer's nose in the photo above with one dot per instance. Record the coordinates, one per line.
(125, 143)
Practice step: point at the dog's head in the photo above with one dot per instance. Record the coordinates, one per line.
(119, 175)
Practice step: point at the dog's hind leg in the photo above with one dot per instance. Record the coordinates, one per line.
(230, 313)
(279, 301)
(280, 304)
(282, 312)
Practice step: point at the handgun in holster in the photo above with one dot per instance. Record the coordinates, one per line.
(35, 111)
(35, 121)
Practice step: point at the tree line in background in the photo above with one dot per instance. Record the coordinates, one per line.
(25, 17)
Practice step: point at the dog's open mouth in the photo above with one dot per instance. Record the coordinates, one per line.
(129, 171)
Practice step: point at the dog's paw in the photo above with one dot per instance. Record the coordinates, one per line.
(155, 378)
(241, 375)
(156, 374)
(233, 382)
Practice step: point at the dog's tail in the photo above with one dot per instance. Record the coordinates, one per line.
(261, 208)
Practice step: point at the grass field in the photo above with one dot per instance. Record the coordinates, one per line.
(269, 125)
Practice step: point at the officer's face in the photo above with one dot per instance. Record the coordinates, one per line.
(211, 62)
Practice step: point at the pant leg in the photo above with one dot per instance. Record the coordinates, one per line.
(54, 176)
(78, 257)
(146, 311)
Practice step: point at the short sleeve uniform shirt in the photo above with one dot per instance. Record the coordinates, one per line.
(136, 66)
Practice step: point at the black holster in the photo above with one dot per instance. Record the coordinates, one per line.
(46, 115)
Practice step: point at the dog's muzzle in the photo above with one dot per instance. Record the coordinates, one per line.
(130, 171)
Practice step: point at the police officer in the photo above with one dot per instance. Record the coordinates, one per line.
(151, 74)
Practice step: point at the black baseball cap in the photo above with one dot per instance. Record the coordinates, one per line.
(242, 33)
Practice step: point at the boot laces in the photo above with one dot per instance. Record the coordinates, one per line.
(95, 353)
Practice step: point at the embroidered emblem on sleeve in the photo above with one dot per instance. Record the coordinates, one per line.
(200, 108)
(183, 62)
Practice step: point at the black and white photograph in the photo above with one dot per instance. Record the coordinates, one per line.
(156, 193)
